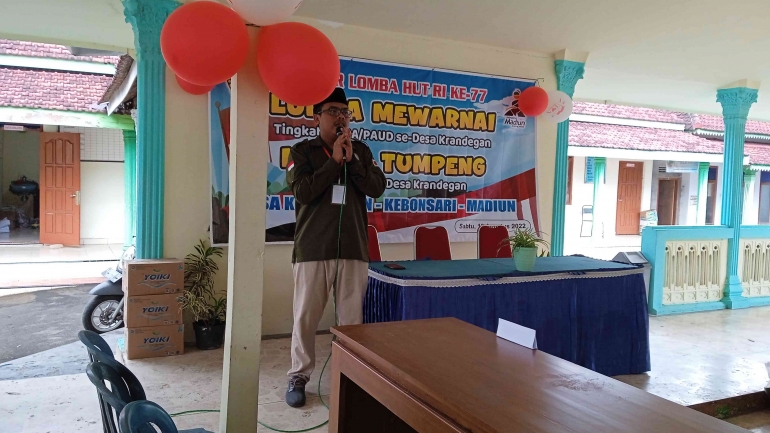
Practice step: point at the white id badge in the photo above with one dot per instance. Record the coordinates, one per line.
(338, 194)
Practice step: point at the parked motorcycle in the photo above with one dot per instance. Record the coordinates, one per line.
(104, 312)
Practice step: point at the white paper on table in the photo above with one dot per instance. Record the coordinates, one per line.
(518, 334)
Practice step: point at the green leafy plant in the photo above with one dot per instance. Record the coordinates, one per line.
(724, 412)
(199, 297)
(525, 238)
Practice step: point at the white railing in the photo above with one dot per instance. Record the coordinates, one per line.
(754, 267)
(695, 271)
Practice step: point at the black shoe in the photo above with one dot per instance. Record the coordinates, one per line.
(295, 393)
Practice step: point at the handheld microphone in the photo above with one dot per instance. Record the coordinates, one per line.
(339, 133)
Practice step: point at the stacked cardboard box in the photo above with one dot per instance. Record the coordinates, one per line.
(152, 311)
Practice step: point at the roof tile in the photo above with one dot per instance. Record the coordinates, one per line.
(586, 134)
(605, 136)
(627, 112)
(53, 90)
(35, 49)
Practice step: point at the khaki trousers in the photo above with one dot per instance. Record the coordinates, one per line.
(313, 284)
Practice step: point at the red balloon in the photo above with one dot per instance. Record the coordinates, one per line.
(297, 62)
(204, 42)
(533, 101)
(191, 88)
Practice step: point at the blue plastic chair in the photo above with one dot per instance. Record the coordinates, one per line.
(140, 415)
(95, 344)
(100, 352)
(99, 349)
(121, 391)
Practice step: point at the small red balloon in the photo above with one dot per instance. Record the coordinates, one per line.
(204, 42)
(297, 62)
(533, 101)
(191, 88)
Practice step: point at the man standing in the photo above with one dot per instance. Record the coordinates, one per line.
(330, 176)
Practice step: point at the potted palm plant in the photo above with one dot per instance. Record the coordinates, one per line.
(207, 307)
(524, 243)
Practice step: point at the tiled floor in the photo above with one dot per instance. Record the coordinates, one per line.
(66, 403)
(695, 358)
(707, 356)
(40, 265)
(20, 236)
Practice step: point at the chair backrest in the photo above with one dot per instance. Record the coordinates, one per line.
(99, 350)
(431, 243)
(490, 242)
(374, 244)
(123, 388)
(138, 416)
(95, 344)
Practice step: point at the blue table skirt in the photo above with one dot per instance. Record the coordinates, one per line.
(596, 320)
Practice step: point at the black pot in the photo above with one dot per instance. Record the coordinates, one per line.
(209, 337)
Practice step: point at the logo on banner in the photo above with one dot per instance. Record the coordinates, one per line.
(513, 115)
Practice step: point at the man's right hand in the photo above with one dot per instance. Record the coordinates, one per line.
(337, 149)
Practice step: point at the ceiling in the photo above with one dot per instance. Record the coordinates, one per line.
(654, 53)
(96, 24)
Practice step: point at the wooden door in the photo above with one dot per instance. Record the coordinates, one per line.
(59, 188)
(668, 196)
(629, 197)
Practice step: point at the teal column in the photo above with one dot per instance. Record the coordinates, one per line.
(567, 75)
(749, 176)
(146, 18)
(129, 185)
(736, 103)
(600, 167)
(703, 180)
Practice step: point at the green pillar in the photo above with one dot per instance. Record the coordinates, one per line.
(567, 75)
(129, 184)
(736, 103)
(749, 177)
(600, 167)
(703, 181)
(146, 18)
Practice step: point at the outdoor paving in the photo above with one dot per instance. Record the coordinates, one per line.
(695, 358)
(757, 422)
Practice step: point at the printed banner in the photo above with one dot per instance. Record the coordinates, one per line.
(219, 149)
(455, 149)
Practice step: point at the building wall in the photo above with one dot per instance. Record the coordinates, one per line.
(604, 226)
(751, 206)
(605, 213)
(101, 177)
(101, 184)
(101, 203)
(2, 178)
(187, 162)
(688, 189)
(20, 157)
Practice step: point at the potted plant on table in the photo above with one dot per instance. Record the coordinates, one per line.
(200, 298)
(524, 243)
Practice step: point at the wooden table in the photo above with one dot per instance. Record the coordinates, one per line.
(445, 375)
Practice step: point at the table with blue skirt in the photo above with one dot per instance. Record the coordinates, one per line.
(587, 311)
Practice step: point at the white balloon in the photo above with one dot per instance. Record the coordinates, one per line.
(559, 106)
(265, 12)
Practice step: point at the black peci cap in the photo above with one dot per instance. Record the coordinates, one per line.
(338, 95)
